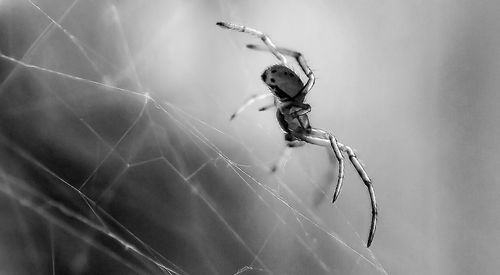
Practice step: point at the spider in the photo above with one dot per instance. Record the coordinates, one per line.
(289, 94)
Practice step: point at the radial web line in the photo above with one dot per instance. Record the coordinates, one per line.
(72, 77)
(264, 244)
(112, 88)
(231, 229)
(139, 116)
(272, 192)
(202, 138)
(33, 46)
(237, 236)
(101, 221)
(52, 254)
(101, 229)
(132, 66)
(235, 168)
(33, 257)
(322, 264)
(117, 18)
(206, 200)
(303, 241)
(193, 132)
(249, 268)
(317, 219)
(305, 244)
(6, 188)
(107, 229)
(79, 44)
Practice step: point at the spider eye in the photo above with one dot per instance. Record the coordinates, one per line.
(264, 77)
(273, 71)
(273, 80)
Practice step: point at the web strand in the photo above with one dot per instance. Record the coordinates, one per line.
(190, 131)
(195, 132)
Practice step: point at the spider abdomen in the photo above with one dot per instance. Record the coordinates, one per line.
(282, 81)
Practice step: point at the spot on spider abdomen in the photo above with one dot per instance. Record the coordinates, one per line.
(282, 81)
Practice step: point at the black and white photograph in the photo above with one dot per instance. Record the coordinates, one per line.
(249, 137)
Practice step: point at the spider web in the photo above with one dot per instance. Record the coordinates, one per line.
(117, 160)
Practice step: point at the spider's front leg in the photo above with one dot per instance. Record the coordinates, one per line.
(267, 107)
(269, 43)
(249, 102)
(323, 138)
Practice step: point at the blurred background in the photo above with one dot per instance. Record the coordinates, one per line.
(117, 155)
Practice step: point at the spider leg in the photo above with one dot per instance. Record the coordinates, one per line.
(269, 43)
(299, 58)
(323, 138)
(320, 194)
(249, 102)
(340, 158)
(285, 154)
(303, 107)
(267, 107)
(364, 176)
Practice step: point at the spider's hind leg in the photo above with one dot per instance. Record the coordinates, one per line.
(291, 142)
(368, 183)
(323, 138)
(320, 194)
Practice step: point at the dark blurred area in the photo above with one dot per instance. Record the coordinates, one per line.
(117, 155)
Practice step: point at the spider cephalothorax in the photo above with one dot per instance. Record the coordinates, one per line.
(290, 92)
